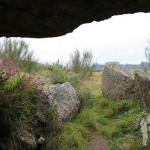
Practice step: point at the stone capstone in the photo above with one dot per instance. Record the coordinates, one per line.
(142, 88)
(64, 98)
(52, 18)
(117, 82)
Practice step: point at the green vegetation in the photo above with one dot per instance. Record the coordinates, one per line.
(117, 121)
(21, 99)
(21, 95)
(82, 65)
(59, 74)
(18, 52)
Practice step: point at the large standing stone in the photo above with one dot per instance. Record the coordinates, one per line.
(117, 82)
(142, 88)
(64, 97)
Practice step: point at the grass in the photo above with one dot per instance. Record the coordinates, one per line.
(115, 120)
(73, 137)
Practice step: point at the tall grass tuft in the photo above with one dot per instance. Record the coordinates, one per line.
(82, 64)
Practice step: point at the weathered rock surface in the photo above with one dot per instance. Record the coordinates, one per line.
(142, 88)
(28, 133)
(27, 140)
(64, 97)
(51, 18)
(117, 82)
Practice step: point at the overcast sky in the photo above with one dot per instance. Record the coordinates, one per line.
(120, 38)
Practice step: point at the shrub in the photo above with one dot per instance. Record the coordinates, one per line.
(82, 65)
(18, 52)
(73, 79)
(19, 94)
(60, 74)
(7, 70)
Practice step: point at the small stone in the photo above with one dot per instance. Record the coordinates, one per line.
(41, 140)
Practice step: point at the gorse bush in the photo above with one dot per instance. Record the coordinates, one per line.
(18, 52)
(73, 137)
(60, 74)
(82, 65)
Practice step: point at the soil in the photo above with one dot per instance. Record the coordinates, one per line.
(97, 143)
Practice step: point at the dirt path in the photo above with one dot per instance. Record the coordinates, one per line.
(97, 143)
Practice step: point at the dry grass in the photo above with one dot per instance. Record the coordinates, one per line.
(93, 83)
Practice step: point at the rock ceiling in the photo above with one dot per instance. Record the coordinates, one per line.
(52, 18)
